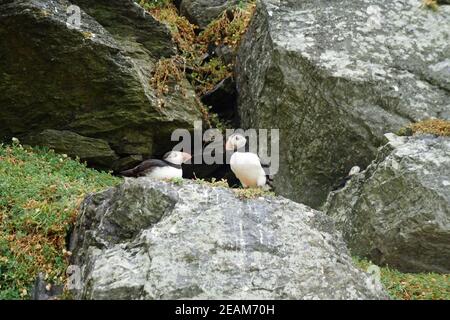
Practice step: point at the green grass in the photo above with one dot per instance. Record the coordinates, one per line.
(213, 183)
(252, 193)
(40, 193)
(152, 4)
(411, 286)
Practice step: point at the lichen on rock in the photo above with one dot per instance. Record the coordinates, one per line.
(397, 211)
(195, 241)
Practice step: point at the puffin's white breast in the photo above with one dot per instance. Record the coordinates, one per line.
(165, 173)
(247, 168)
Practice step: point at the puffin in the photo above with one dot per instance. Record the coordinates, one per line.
(355, 170)
(246, 166)
(167, 168)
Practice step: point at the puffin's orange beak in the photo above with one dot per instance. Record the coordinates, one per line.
(229, 146)
(186, 157)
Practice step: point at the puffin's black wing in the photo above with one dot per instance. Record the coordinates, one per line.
(144, 168)
(341, 183)
(269, 178)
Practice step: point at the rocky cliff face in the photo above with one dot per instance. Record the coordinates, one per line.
(335, 76)
(93, 82)
(202, 12)
(158, 240)
(397, 212)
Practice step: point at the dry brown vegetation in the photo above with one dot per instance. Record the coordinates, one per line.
(252, 193)
(204, 74)
(430, 4)
(167, 71)
(437, 127)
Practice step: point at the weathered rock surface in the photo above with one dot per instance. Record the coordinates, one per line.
(397, 212)
(92, 81)
(202, 12)
(43, 290)
(335, 76)
(149, 239)
(94, 151)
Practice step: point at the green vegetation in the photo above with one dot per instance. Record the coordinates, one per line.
(430, 4)
(153, 4)
(176, 181)
(40, 192)
(242, 194)
(412, 286)
(213, 183)
(252, 193)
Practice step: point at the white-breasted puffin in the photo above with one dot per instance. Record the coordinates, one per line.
(354, 171)
(167, 168)
(245, 165)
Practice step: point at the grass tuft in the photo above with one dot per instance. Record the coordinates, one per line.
(411, 286)
(40, 192)
(252, 193)
(430, 4)
(213, 183)
(154, 4)
(176, 181)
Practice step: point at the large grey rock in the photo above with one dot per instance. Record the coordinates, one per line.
(397, 212)
(93, 81)
(156, 240)
(202, 12)
(335, 76)
(94, 151)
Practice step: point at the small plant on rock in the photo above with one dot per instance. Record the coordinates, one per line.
(213, 183)
(252, 193)
(194, 60)
(430, 4)
(437, 127)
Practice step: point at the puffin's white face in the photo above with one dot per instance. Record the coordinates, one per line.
(235, 141)
(354, 171)
(177, 157)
